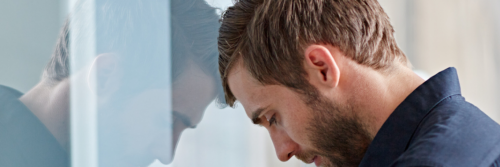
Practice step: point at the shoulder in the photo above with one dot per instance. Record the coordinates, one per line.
(24, 140)
(454, 133)
(8, 102)
(8, 90)
(9, 93)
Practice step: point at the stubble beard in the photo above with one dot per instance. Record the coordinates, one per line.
(336, 132)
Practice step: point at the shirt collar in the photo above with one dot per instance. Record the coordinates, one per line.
(396, 133)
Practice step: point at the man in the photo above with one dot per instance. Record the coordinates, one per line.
(328, 81)
(138, 122)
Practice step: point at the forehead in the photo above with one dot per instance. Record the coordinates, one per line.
(192, 92)
(247, 90)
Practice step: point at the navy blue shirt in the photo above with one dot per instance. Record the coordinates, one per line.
(24, 139)
(435, 126)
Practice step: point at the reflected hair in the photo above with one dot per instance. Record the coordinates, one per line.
(58, 67)
(194, 30)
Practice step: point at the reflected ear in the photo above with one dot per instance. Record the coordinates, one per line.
(104, 75)
(321, 67)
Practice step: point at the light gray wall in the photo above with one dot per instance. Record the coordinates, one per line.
(28, 32)
(448, 33)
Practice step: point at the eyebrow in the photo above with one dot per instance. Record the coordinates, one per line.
(184, 119)
(257, 114)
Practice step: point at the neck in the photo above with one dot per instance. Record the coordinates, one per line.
(50, 103)
(378, 93)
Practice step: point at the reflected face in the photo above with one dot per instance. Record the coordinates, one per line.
(314, 129)
(149, 127)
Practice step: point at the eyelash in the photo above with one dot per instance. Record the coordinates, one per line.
(272, 120)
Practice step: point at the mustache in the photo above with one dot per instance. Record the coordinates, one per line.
(306, 156)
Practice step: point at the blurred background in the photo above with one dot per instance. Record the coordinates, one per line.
(465, 34)
(434, 34)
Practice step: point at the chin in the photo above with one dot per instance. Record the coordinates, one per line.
(144, 163)
(165, 162)
(129, 162)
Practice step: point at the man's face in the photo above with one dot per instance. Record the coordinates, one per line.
(148, 126)
(313, 128)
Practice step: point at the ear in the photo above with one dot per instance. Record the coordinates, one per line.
(321, 67)
(104, 75)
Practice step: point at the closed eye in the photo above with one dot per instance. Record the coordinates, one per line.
(184, 119)
(272, 120)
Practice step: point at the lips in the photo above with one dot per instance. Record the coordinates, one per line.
(310, 161)
(317, 160)
(306, 158)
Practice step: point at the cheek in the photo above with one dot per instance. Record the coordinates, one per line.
(295, 122)
(142, 123)
(140, 131)
(192, 102)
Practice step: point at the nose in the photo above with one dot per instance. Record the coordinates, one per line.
(285, 147)
(163, 148)
(166, 144)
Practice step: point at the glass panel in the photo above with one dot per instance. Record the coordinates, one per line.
(81, 38)
(122, 112)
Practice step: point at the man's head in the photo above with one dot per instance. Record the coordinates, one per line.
(132, 74)
(309, 72)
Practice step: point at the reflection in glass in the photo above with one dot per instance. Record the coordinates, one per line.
(147, 93)
(141, 73)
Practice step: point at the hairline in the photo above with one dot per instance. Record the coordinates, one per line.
(238, 60)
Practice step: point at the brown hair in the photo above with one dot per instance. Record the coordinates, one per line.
(194, 23)
(270, 36)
